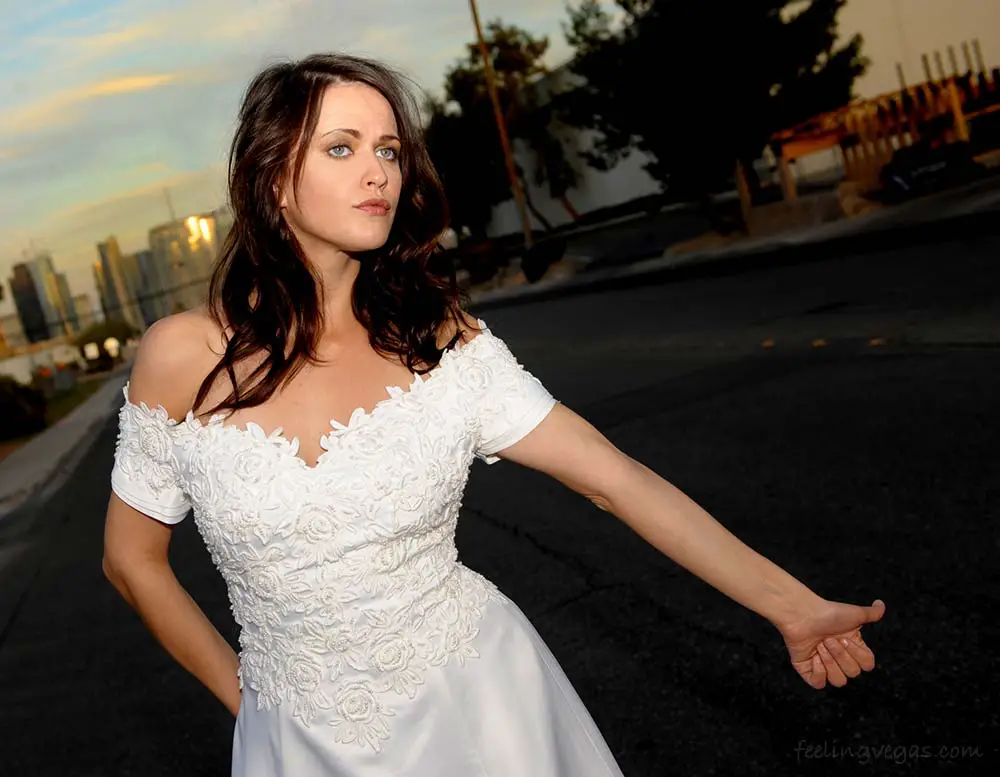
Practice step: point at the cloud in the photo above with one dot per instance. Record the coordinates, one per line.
(79, 49)
(106, 102)
(167, 178)
(10, 152)
(61, 108)
(152, 168)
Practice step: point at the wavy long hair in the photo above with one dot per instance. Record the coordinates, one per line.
(264, 293)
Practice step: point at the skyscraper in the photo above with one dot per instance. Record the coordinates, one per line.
(188, 249)
(84, 311)
(110, 304)
(62, 299)
(118, 281)
(154, 287)
(42, 298)
(28, 304)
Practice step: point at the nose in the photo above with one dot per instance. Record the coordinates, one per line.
(375, 175)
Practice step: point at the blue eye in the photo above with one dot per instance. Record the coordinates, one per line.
(336, 151)
(391, 154)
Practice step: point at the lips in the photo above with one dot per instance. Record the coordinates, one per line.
(374, 206)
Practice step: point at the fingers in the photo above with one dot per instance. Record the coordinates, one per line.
(860, 652)
(834, 673)
(817, 677)
(838, 648)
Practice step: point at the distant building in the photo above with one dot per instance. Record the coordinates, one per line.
(187, 249)
(105, 289)
(28, 304)
(154, 288)
(12, 332)
(118, 282)
(223, 223)
(43, 299)
(85, 312)
(63, 298)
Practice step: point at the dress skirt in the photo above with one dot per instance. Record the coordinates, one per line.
(511, 712)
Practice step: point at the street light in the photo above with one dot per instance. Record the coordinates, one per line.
(515, 183)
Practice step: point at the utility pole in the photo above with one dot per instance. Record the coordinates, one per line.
(515, 183)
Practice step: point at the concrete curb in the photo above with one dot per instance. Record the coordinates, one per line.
(732, 260)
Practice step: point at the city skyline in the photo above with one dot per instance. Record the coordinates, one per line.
(170, 274)
(44, 304)
(105, 104)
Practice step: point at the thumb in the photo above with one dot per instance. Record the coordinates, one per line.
(874, 612)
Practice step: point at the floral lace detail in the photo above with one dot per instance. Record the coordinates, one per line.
(145, 464)
(344, 576)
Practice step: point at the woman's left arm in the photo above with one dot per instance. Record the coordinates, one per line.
(823, 637)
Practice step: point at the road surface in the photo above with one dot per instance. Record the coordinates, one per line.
(838, 416)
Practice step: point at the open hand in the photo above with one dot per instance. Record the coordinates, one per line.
(826, 645)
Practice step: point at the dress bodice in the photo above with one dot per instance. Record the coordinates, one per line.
(343, 576)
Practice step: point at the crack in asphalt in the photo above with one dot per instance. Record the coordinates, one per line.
(594, 585)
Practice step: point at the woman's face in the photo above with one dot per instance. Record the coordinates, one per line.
(351, 175)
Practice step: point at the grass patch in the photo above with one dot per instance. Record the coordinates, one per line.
(63, 403)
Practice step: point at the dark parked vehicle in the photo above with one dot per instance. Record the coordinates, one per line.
(924, 168)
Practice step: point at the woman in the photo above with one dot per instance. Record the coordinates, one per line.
(366, 648)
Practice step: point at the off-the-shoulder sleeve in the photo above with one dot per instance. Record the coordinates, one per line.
(511, 401)
(145, 474)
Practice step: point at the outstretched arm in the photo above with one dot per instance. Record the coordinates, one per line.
(823, 637)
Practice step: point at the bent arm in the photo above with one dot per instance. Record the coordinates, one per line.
(572, 451)
(172, 357)
(135, 562)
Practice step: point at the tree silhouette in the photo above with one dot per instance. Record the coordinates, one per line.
(462, 135)
(700, 85)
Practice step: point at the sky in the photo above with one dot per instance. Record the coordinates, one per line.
(105, 103)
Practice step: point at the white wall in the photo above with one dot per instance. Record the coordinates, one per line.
(594, 189)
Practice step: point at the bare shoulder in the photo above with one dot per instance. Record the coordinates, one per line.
(174, 356)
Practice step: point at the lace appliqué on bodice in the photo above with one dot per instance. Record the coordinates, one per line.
(344, 576)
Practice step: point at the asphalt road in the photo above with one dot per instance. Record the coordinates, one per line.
(840, 417)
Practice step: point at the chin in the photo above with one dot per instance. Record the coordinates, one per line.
(357, 244)
(357, 240)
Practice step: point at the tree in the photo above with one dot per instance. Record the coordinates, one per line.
(462, 134)
(700, 85)
(118, 328)
(470, 164)
(23, 408)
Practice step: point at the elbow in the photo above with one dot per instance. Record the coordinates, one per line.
(616, 480)
(114, 575)
(601, 502)
(110, 573)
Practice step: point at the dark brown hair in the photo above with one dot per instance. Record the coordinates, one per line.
(263, 292)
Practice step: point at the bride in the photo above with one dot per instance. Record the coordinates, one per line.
(319, 417)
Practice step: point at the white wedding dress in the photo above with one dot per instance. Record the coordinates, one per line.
(367, 649)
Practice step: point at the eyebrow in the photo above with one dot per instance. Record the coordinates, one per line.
(356, 134)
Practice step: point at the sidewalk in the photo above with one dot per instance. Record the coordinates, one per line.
(42, 464)
(974, 209)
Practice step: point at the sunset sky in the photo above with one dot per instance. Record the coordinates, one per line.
(104, 103)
